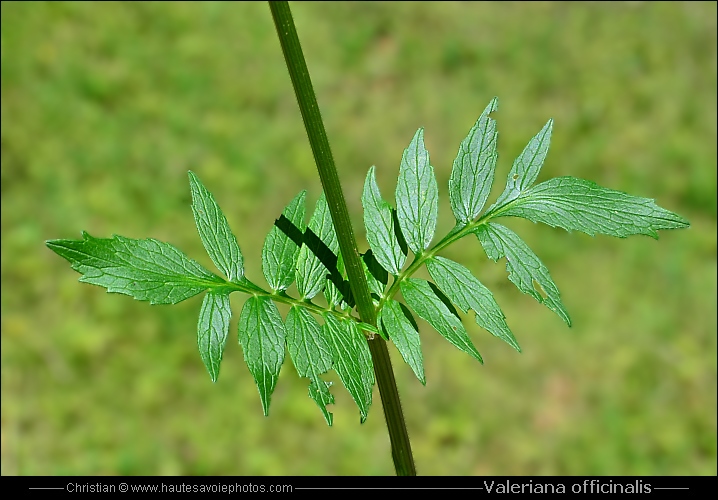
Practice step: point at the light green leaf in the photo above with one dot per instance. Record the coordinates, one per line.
(473, 171)
(217, 237)
(427, 301)
(467, 292)
(319, 392)
(524, 267)
(311, 273)
(401, 328)
(352, 360)
(144, 269)
(309, 350)
(261, 334)
(417, 195)
(526, 167)
(379, 224)
(580, 205)
(212, 330)
(280, 252)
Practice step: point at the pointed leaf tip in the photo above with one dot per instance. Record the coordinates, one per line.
(214, 231)
(417, 195)
(473, 171)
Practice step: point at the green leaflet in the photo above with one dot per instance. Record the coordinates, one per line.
(261, 334)
(401, 328)
(417, 195)
(144, 269)
(467, 292)
(212, 330)
(311, 273)
(523, 266)
(310, 352)
(473, 170)
(580, 205)
(352, 360)
(424, 300)
(217, 237)
(280, 252)
(526, 167)
(379, 224)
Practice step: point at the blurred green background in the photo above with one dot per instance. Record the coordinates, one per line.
(105, 106)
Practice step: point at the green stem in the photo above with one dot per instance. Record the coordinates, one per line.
(292, 50)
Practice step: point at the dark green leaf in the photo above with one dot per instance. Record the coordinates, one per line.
(261, 334)
(423, 299)
(473, 171)
(526, 167)
(144, 269)
(580, 205)
(212, 330)
(311, 273)
(379, 225)
(217, 237)
(402, 330)
(525, 269)
(417, 195)
(352, 360)
(467, 292)
(280, 252)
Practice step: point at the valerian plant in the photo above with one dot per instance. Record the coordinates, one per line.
(324, 337)
(360, 299)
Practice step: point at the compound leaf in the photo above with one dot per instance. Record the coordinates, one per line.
(417, 195)
(262, 335)
(423, 298)
(473, 170)
(212, 330)
(401, 328)
(524, 267)
(379, 224)
(581, 205)
(280, 252)
(526, 167)
(217, 237)
(467, 292)
(311, 272)
(144, 269)
(352, 360)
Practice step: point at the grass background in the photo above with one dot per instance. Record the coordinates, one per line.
(106, 106)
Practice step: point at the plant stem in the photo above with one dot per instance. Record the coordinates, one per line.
(292, 50)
